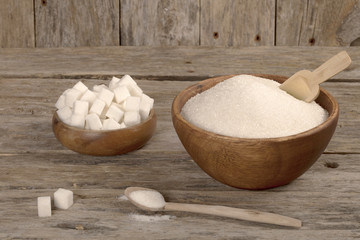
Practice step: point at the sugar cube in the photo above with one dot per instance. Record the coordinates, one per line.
(131, 118)
(71, 96)
(77, 120)
(88, 96)
(81, 108)
(60, 103)
(146, 98)
(81, 87)
(132, 104)
(97, 107)
(122, 125)
(135, 90)
(93, 121)
(110, 124)
(63, 198)
(113, 83)
(97, 88)
(127, 81)
(114, 113)
(64, 113)
(106, 95)
(44, 206)
(144, 110)
(121, 93)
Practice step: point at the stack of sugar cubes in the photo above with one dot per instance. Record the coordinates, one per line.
(121, 104)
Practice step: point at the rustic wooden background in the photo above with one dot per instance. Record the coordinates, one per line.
(73, 23)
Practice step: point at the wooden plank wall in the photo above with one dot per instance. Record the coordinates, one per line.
(73, 23)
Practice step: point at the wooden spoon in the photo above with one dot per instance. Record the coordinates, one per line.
(242, 214)
(304, 85)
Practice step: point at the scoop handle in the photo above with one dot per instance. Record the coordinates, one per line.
(237, 213)
(331, 67)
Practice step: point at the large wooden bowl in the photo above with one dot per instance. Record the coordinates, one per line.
(104, 143)
(258, 163)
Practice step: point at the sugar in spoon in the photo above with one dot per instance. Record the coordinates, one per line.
(152, 200)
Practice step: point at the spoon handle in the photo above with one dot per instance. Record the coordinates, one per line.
(331, 67)
(237, 213)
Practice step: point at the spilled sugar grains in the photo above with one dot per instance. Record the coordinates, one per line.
(251, 107)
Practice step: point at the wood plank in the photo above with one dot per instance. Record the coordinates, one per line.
(24, 109)
(349, 31)
(168, 63)
(67, 23)
(17, 24)
(159, 23)
(237, 23)
(312, 23)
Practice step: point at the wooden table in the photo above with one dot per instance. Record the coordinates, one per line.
(33, 163)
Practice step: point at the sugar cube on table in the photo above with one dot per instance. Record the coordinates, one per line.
(63, 198)
(64, 113)
(81, 87)
(93, 121)
(77, 120)
(88, 96)
(106, 95)
(114, 113)
(132, 118)
(113, 83)
(71, 96)
(127, 81)
(121, 93)
(110, 124)
(81, 107)
(44, 206)
(132, 104)
(97, 107)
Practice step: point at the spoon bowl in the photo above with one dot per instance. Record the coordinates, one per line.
(222, 211)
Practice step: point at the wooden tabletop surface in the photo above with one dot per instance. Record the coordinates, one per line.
(33, 163)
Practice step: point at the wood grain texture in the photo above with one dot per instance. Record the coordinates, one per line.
(67, 23)
(349, 31)
(17, 24)
(160, 22)
(169, 63)
(311, 23)
(235, 23)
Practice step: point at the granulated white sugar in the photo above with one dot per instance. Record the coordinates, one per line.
(152, 218)
(251, 107)
(148, 198)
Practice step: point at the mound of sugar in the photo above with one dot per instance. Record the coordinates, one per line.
(148, 198)
(251, 107)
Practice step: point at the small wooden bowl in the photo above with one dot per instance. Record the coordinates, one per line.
(258, 163)
(104, 143)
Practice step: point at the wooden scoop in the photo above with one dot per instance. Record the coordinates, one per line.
(237, 213)
(304, 85)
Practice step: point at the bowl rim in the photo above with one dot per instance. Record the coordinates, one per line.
(150, 117)
(332, 116)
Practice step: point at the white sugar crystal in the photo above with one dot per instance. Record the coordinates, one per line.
(132, 118)
(147, 99)
(44, 206)
(113, 83)
(132, 104)
(106, 95)
(93, 121)
(63, 198)
(88, 96)
(251, 107)
(148, 198)
(81, 108)
(121, 93)
(97, 107)
(71, 96)
(81, 87)
(110, 124)
(127, 81)
(60, 103)
(64, 113)
(98, 88)
(77, 120)
(135, 90)
(114, 113)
